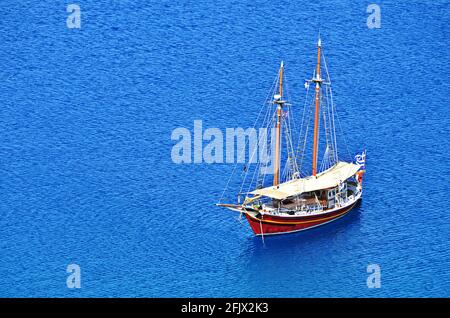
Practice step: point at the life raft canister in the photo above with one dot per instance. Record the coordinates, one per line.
(359, 175)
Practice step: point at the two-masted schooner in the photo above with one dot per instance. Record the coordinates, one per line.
(296, 201)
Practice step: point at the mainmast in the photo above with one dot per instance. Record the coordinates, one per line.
(278, 99)
(318, 82)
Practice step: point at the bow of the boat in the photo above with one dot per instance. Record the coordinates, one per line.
(237, 208)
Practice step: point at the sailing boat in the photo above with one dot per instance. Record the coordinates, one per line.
(297, 201)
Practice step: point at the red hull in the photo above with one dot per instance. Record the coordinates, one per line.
(271, 224)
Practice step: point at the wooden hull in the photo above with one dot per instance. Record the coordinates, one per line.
(271, 224)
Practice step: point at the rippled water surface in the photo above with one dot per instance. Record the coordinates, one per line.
(86, 175)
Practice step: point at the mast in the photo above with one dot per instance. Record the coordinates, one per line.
(279, 101)
(318, 82)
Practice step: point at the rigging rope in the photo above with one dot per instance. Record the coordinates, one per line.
(243, 150)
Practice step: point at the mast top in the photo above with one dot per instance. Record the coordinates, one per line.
(319, 42)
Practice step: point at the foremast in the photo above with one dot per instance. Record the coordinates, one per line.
(278, 100)
(318, 80)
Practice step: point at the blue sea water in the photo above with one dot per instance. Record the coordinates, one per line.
(86, 174)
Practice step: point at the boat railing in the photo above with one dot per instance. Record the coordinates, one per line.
(297, 209)
(312, 208)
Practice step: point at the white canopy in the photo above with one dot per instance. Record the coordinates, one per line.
(324, 180)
